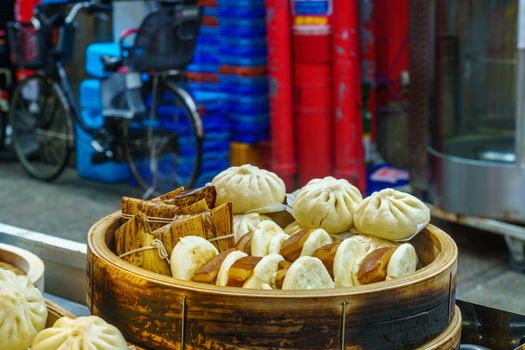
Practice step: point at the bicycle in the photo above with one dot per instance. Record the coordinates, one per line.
(145, 119)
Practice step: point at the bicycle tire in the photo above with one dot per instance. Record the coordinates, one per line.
(42, 131)
(159, 169)
(3, 128)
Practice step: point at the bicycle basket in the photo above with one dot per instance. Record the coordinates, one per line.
(166, 39)
(28, 45)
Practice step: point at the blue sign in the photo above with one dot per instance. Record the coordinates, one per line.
(312, 7)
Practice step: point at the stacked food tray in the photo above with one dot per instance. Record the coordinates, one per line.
(160, 304)
(243, 67)
(91, 114)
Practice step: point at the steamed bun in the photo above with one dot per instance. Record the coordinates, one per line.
(246, 223)
(248, 188)
(23, 311)
(327, 203)
(392, 215)
(89, 332)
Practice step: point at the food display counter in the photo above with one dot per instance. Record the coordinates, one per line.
(219, 268)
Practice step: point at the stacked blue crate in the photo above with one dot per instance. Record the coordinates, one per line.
(243, 60)
(216, 151)
(204, 70)
(205, 88)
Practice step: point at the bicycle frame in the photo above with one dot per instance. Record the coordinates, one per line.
(60, 73)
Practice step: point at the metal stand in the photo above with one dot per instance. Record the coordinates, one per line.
(514, 234)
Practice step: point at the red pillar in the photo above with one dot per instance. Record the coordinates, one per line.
(368, 66)
(280, 76)
(348, 126)
(312, 39)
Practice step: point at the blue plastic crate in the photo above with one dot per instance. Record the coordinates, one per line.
(188, 149)
(241, 32)
(210, 11)
(207, 50)
(199, 86)
(238, 104)
(212, 102)
(241, 3)
(107, 172)
(211, 122)
(207, 177)
(94, 55)
(90, 94)
(208, 31)
(226, 41)
(211, 138)
(248, 123)
(242, 22)
(249, 128)
(248, 108)
(214, 123)
(213, 107)
(251, 137)
(255, 12)
(243, 51)
(203, 68)
(208, 40)
(234, 84)
(205, 58)
(243, 61)
(211, 162)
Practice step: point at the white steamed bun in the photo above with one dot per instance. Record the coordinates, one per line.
(327, 203)
(23, 311)
(248, 188)
(89, 332)
(392, 215)
(246, 223)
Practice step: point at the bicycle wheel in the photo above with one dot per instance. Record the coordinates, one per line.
(40, 118)
(164, 149)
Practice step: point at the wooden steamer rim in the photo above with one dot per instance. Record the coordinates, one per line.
(26, 261)
(428, 296)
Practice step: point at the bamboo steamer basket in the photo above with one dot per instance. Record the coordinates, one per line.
(30, 264)
(159, 312)
(54, 312)
(450, 338)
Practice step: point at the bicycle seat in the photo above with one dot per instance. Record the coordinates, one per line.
(111, 63)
